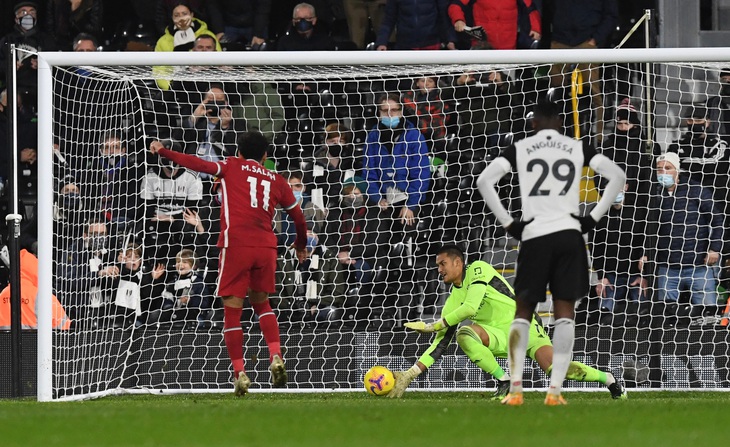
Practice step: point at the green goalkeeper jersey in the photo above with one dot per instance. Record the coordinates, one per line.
(483, 297)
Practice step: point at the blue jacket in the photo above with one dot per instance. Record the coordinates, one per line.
(689, 225)
(419, 23)
(406, 167)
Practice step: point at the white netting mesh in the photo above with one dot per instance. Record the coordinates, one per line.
(122, 241)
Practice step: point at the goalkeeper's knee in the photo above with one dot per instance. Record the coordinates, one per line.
(464, 334)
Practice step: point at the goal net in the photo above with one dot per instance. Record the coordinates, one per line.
(127, 241)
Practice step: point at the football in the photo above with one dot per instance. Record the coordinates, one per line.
(379, 380)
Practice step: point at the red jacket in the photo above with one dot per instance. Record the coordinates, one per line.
(497, 17)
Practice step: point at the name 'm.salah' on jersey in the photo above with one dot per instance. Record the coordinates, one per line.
(251, 194)
(549, 166)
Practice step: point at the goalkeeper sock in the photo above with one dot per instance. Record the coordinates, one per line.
(269, 327)
(472, 345)
(581, 372)
(519, 335)
(562, 352)
(233, 336)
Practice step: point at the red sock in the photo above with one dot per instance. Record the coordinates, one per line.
(269, 326)
(233, 336)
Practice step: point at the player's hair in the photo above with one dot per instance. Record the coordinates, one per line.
(252, 145)
(546, 110)
(186, 255)
(451, 250)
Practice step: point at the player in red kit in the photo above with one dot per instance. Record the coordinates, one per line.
(247, 243)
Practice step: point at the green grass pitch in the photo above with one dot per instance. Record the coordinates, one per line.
(687, 419)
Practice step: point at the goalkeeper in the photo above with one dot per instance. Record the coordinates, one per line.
(482, 295)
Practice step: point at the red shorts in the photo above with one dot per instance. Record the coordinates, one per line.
(242, 268)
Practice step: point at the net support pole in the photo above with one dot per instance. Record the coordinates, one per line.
(45, 230)
(13, 221)
(647, 84)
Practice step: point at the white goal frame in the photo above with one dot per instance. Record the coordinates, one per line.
(47, 61)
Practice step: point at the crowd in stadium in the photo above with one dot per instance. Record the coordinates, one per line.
(136, 235)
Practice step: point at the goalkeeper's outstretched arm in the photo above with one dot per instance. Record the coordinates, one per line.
(428, 358)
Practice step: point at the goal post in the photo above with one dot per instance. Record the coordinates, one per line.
(325, 354)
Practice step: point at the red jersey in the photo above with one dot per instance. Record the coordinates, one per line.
(251, 194)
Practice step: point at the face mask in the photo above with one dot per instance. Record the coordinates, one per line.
(725, 90)
(619, 199)
(666, 180)
(298, 196)
(354, 202)
(334, 150)
(304, 25)
(697, 129)
(390, 121)
(71, 202)
(97, 243)
(27, 22)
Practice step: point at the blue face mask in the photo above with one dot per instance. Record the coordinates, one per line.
(390, 121)
(619, 198)
(298, 196)
(666, 180)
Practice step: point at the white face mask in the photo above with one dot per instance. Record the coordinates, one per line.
(27, 22)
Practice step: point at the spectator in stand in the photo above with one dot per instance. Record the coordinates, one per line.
(628, 148)
(703, 155)
(361, 14)
(718, 108)
(332, 162)
(163, 11)
(420, 25)
(27, 136)
(688, 228)
(580, 24)
(313, 215)
(66, 19)
(236, 21)
(260, 109)
(187, 297)
(430, 111)
(303, 35)
(499, 20)
(352, 230)
(111, 182)
(486, 104)
(617, 250)
(28, 36)
(132, 286)
(397, 168)
(84, 42)
(182, 31)
(211, 129)
(169, 192)
(80, 279)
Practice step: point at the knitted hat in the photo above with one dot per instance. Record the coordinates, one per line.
(627, 112)
(21, 4)
(670, 157)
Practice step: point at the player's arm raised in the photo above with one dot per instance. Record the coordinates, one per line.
(188, 161)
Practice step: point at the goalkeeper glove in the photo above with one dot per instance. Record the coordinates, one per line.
(423, 327)
(516, 228)
(586, 222)
(402, 380)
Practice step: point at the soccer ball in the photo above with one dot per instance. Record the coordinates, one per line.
(379, 381)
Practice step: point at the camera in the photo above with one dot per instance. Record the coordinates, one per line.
(214, 108)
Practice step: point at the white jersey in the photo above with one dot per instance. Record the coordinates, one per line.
(549, 166)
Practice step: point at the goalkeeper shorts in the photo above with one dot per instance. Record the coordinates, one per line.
(499, 339)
